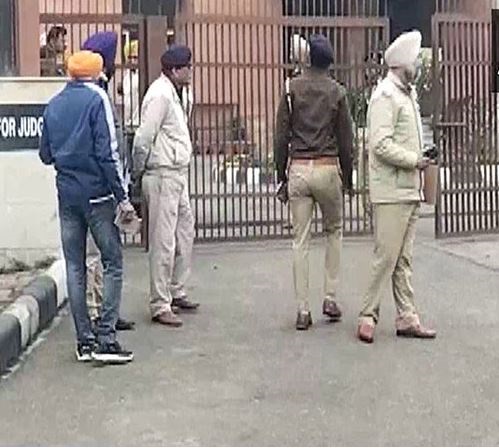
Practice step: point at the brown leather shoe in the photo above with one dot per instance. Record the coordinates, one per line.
(331, 309)
(417, 332)
(168, 318)
(183, 303)
(365, 332)
(303, 320)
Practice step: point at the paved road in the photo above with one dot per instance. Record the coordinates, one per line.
(239, 374)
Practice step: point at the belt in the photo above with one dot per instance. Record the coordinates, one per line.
(326, 160)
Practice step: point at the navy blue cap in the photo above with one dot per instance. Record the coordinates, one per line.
(176, 56)
(321, 51)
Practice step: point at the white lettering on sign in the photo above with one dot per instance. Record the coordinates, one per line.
(30, 127)
(8, 127)
(23, 127)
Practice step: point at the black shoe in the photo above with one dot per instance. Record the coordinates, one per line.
(183, 303)
(303, 320)
(84, 352)
(331, 309)
(124, 325)
(112, 353)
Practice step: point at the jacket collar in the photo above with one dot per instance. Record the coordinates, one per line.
(314, 72)
(398, 83)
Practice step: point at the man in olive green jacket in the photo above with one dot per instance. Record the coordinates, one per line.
(395, 163)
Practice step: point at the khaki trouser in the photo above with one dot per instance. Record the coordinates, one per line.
(94, 279)
(395, 230)
(310, 184)
(171, 235)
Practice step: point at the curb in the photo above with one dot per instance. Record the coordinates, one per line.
(31, 313)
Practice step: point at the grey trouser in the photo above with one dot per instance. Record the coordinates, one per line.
(310, 184)
(395, 231)
(171, 236)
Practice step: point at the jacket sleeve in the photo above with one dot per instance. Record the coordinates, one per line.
(122, 146)
(153, 115)
(381, 131)
(45, 154)
(344, 136)
(281, 139)
(106, 147)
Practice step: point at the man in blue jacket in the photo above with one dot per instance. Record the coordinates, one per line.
(79, 139)
(105, 43)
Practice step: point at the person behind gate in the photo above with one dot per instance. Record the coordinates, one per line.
(162, 152)
(395, 160)
(314, 133)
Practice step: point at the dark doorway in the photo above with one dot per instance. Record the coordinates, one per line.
(406, 15)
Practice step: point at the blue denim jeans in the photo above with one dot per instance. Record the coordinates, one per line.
(75, 223)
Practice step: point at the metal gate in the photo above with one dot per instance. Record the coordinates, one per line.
(466, 126)
(240, 61)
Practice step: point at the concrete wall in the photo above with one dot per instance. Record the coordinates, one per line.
(29, 227)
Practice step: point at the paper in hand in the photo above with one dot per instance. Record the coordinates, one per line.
(127, 222)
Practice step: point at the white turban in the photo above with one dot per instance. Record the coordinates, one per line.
(299, 49)
(404, 51)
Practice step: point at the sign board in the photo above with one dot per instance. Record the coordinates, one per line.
(20, 126)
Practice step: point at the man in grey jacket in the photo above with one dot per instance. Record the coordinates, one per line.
(162, 153)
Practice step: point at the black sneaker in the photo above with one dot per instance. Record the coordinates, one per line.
(125, 325)
(112, 354)
(84, 352)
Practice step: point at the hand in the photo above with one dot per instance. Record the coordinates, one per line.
(348, 189)
(423, 163)
(127, 210)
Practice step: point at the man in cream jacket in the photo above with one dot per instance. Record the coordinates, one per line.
(162, 153)
(395, 161)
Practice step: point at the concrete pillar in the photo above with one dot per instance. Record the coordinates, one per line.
(28, 39)
(156, 27)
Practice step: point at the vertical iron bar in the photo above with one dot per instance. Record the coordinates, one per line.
(476, 100)
(238, 40)
(486, 92)
(275, 88)
(469, 174)
(230, 64)
(269, 169)
(252, 93)
(203, 27)
(211, 30)
(484, 162)
(259, 64)
(219, 114)
(493, 142)
(449, 69)
(197, 118)
(436, 82)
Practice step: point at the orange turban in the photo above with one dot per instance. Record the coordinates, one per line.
(85, 64)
